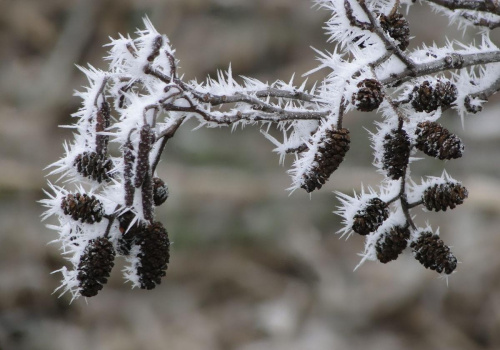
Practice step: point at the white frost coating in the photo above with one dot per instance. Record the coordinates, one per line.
(130, 270)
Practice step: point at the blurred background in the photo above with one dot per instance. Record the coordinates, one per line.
(252, 268)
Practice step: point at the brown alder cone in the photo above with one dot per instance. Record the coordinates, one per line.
(87, 209)
(95, 266)
(392, 244)
(369, 218)
(433, 254)
(331, 152)
(436, 141)
(444, 196)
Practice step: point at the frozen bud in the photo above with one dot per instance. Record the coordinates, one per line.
(444, 196)
(160, 191)
(155, 49)
(331, 152)
(81, 207)
(369, 218)
(145, 142)
(102, 123)
(93, 166)
(147, 198)
(433, 254)
(128, 168)
(428, 97)
(153, 256)
(397, 27)
(95, 266)
(369, 95)
(396, 153)
(391, 244)
(436, 141)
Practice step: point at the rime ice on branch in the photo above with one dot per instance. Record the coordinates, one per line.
(140, 101)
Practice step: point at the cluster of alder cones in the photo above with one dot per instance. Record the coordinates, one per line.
(146, 240)
(151, 241)
(429, 137)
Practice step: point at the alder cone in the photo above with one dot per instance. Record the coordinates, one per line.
(331, 152)
(95, 266)
(93, 166)
(397, 27)
(160, 190)
(436, 141)
(370, 217)
(154, 255)
(369, 95)
(87, 209)
(396, 153)
(433, 254)
(444, 196)
(392, 244)
(428, 98)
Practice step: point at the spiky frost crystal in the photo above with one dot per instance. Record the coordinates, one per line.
(331, 152)
(444, 196)
(396, 153)
(433, 254)
(93, 166)
(397, 27)
(369, 218)
(436, 141)
(154, 255)
(95, 266)
(391, 244)
(81, 207)
(369, 95)
(428, 97)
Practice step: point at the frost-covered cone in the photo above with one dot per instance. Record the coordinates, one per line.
(391, 244)
(369, 95)
(396, 153)
(369, 218)
(331, 152)
(160, 191)
(93, 166)
(436, 141)
(444, 196)
(81, 207)
(95, 266)
(428, 97)
(153, 256)
(431, 252)
(397, 27)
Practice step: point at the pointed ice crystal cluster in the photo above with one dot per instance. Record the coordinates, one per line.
(140, 102)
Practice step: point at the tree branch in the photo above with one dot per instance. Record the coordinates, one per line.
(489, 6)
(452, 61)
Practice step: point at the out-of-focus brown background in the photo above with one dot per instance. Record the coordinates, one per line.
(252, 268)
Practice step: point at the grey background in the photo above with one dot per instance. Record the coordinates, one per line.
(252, 267)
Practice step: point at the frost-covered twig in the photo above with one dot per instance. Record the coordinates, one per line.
(141, 101)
